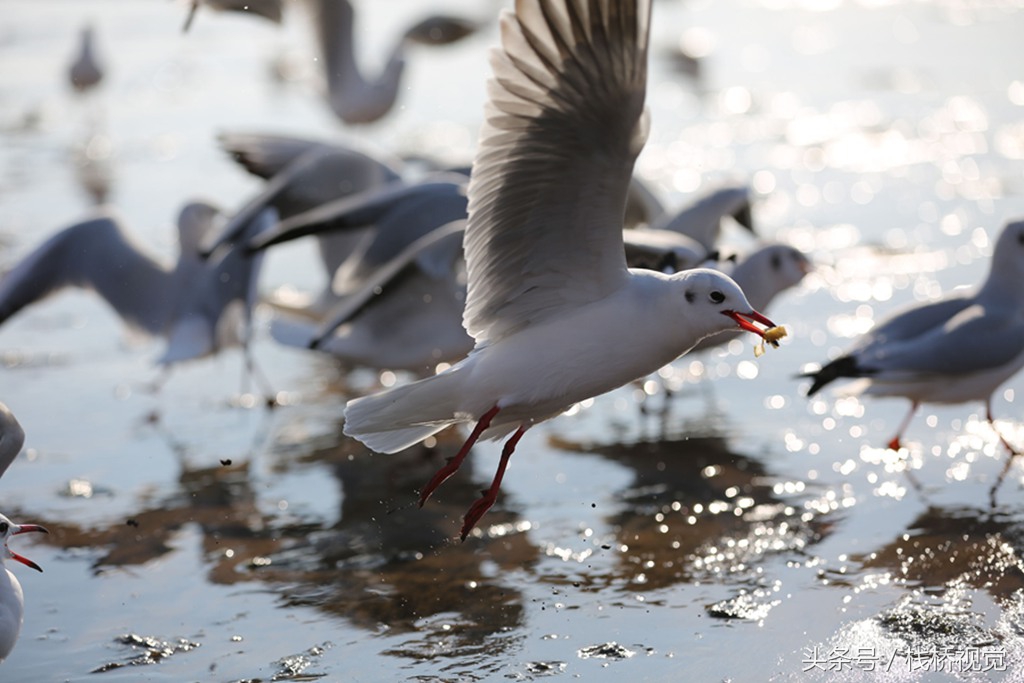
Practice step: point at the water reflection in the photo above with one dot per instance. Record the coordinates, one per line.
(697, 510)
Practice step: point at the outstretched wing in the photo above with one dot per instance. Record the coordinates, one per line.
(564, 124)
(95, 254)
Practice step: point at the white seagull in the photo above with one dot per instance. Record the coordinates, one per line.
(197, 306)
(12, 599)
(957, 349)
(556, 315)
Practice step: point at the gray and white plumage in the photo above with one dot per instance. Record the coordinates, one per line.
(550, 303)
(959, 348)
(12, 598)
(702, 218)
(396, 215)
(322, 173)
(406, 316)
(190, 303)
(12, 438)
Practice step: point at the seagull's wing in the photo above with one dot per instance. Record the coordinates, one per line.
(12, 437)
(662, 250)
(910, 323)
(976, 339)
(435, 255)
(95, 254)
(702, 218)
(266, 155)
(564, 124)
(369, 208)
(316, 177)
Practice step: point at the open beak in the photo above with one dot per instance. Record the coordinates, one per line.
(746, 321)
(22, 528)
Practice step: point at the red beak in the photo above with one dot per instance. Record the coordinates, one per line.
(22, 528)
(746, 321)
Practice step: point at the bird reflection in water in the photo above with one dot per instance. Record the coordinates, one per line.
(696, 510)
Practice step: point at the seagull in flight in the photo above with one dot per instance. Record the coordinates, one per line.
(555, 314)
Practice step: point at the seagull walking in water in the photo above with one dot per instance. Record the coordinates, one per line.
(957, 349)
(12, 599)
(555, 314)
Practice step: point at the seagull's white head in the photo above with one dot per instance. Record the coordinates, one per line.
(713, 302)
(775, 268)
(8, 529)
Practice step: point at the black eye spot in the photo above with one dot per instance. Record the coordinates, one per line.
(4, 526)
(716, 296)
(689, 296)
(776, 261)
(1020, 238)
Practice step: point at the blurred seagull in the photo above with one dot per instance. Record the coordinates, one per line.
(396, 215)
(702, 218)
(406, 316)
(85, 73)
(354, 97)
(268, 9)
(195, 305)
(551, 305)
(12, 438)
(12, 599)
(957, 349)
(763, 274)
(299, 182)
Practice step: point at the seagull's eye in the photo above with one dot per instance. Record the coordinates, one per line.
(1020, 238)
(716, 296)
(4, 527)
(776, 261)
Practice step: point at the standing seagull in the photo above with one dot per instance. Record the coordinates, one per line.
(556, 315)
(957, 349)
(12, 600)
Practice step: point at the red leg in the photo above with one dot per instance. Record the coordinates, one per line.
(484, 503)
(453, 464)
(894, 444)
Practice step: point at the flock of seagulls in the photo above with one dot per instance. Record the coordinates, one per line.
(525, 277)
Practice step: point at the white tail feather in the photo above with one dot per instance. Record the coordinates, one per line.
(397, 418)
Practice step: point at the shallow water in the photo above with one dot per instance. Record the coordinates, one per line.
(746, 534)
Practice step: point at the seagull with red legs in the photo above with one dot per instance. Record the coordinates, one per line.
(957, 349)
(555, 314)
